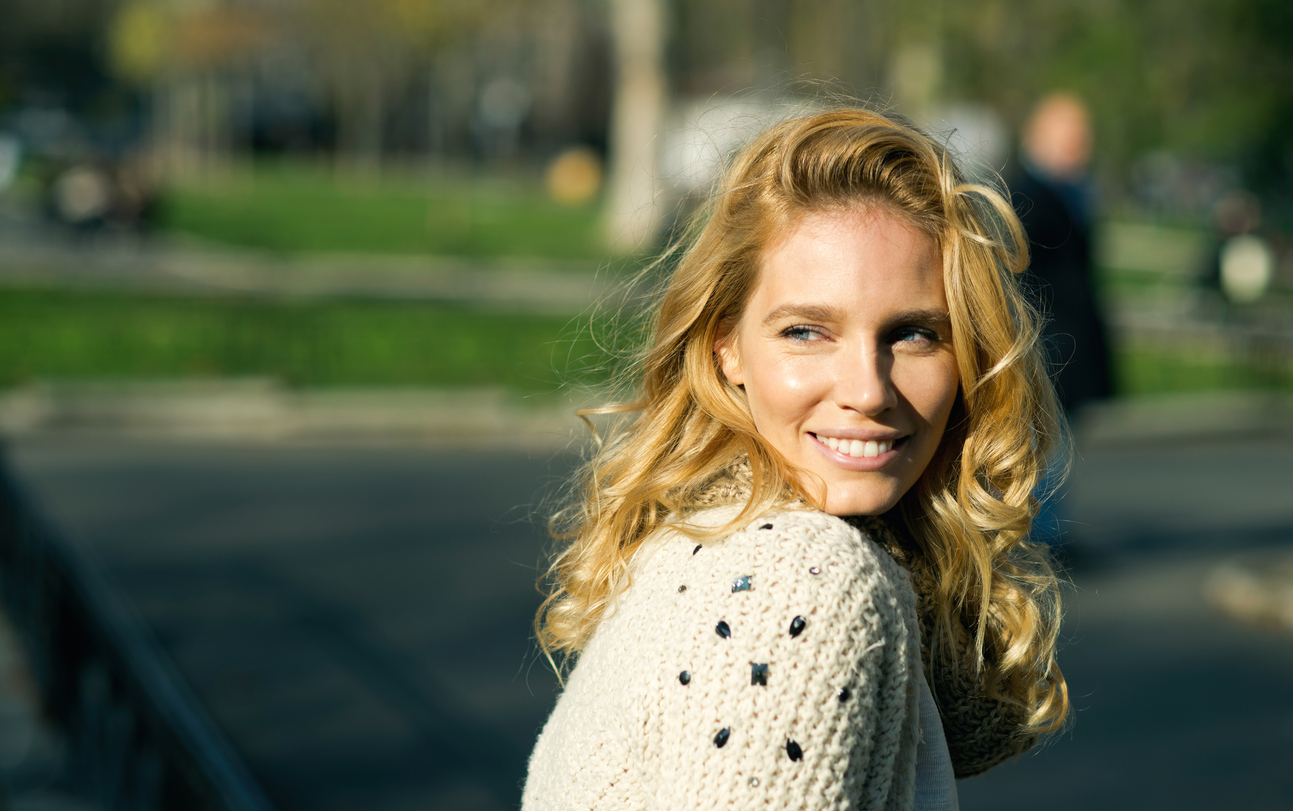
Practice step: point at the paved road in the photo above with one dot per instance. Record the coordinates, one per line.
(358, 619)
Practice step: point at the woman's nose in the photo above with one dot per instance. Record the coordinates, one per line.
(865, 382)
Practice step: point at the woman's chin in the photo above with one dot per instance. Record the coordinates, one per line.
(860, 501)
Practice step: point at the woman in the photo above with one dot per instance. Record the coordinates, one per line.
(806, 541)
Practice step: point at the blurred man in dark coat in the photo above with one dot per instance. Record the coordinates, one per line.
(1053, 195)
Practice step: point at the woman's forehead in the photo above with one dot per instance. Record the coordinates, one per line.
(858, 209)
(852, 259)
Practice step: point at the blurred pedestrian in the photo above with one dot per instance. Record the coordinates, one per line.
(797, 572)
(1054, 197)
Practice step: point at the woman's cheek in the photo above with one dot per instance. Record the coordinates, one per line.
(929, 387)
(950, 385)
(799, 382)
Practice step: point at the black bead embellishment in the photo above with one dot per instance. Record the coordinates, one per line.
(814, 570)
(697, 549)
(741, 583)
(684, 677)
(681, 589)
(793, 750)
(797, 626)
(723, 629)
(759, 674)
(845, 695)
(721, 738)
(766, 526)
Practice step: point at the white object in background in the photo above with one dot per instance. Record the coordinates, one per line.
(1247, 264)
(975, 134)
(703, 133)
(82, 193)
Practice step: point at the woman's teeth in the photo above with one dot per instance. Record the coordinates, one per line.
(857, 447)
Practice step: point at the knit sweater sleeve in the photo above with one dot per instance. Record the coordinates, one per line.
(775, 667)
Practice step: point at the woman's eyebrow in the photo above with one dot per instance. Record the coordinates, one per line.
(830, 313)
(808, 312)
(921, 316)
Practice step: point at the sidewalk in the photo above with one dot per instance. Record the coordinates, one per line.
(1167, 418)
(170, 267)
(264, 410)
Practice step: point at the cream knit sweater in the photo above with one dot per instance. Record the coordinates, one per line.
(776, 667)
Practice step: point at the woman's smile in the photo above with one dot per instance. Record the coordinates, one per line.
(844, 350)
(871, 449)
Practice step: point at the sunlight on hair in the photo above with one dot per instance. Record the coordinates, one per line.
(677, 425)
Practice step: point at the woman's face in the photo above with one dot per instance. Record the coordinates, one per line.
(845, 353)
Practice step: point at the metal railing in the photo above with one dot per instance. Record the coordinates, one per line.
(136, 738)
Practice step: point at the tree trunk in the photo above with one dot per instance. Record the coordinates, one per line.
(361, 119)
(633, 205)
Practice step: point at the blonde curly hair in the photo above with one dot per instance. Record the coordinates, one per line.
(968, 515)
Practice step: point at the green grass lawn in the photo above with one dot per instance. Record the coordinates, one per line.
(301, 209)
(1143, 371)
(50, 335)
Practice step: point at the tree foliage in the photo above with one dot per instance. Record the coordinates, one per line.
(1206, 77)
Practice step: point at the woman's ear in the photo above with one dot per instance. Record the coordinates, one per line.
(729, 358)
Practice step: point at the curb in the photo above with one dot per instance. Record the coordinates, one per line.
(264, 410)
(1220, 415)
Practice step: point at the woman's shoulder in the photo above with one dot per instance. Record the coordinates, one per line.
(764, 582)
(787, 644)
(793, 550)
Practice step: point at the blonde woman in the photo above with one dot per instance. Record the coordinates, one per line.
(797, 573)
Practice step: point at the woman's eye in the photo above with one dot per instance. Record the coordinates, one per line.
(800, 333)
(915, 335)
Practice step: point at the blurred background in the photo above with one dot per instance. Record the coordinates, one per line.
(297, 298)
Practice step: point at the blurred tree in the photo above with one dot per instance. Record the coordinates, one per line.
(1213, 78)
(48, 53)
(138, 41)
(1204, 76)
(639, 30)
(366, 51)
(367, 56)
(187, 55)
(1268, 26)
(1207, 77)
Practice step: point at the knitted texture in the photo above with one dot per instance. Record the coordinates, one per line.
(981, 731)
(775, 667)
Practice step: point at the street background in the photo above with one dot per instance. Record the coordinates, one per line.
(358, 619)
(297, 300)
